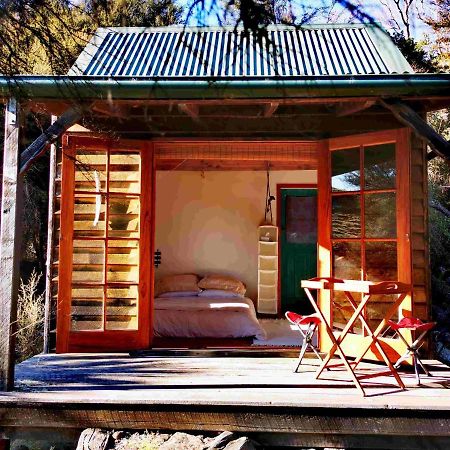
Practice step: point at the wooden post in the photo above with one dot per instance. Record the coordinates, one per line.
(10, 234)
(49, 261)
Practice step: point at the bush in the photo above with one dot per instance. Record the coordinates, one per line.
(30, 318)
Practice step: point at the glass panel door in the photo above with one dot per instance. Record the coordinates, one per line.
(106, 246)
(364, 233)
(364, 224)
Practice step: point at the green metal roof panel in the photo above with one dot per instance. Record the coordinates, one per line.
(213, 52)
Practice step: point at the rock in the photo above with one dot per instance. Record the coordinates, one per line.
(118, 435)
(220, 440)
(183, 441)
(243, 443)
(95, 439)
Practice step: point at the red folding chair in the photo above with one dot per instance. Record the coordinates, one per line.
(413, 324)
(312, 321)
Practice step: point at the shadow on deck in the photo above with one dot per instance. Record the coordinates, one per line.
(250, 395)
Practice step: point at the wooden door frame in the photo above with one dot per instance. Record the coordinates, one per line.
(67, 340)
(402, 139)
(281, 186)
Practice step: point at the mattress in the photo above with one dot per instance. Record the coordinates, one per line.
(210, 317)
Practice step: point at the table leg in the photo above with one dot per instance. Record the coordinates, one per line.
(336, 343)
(374, 335)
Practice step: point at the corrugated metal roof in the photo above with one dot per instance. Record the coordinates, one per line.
(178, 52)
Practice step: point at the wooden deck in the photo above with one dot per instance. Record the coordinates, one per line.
(248, 394)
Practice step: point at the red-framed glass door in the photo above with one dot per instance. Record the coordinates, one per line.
(364, 223)
(105, 270)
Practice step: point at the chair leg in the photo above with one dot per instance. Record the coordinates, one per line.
(402, 358)
(302, 354)
(416, 369)
(426, 371)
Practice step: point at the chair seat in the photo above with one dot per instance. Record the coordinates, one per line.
(298, 319)
(411, 323)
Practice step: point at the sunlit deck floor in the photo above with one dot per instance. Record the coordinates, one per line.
(229, 380)
(220, 392)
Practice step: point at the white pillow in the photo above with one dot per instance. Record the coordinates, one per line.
(178, 294)
(219, 293)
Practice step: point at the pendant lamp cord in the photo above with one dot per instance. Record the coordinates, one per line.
(269, 198)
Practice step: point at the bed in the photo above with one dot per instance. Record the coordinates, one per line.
(200, 317)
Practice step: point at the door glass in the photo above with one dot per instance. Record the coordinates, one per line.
(381, 261)
(380, 212)
(345, 170)
(347, 266)
(346, 216)
(301, 225)
(379, 166)
(105, 275)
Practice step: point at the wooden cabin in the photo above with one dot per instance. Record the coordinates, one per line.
(172, 138)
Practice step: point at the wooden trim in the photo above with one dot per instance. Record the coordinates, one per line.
(324, 237)
(281, 186)
(10, 243)
(356, 140)
(403, 161)
(65, 248)
(50, 243)
(146, 246)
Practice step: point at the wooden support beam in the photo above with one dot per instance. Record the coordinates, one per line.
(110, 109)
(270, 108)
(191, 109)
(345, 109)
(406, 115)
(10, 240)
(53, 132)
(50, 249)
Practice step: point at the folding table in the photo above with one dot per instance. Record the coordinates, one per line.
(367, 289)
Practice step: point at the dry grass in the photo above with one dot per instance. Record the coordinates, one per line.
(30, 318)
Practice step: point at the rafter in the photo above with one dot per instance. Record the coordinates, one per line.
(406, 115)
(51, 134)
(346, 109)
(270, 108)
(191, 109)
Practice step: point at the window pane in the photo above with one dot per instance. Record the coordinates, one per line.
(123, 217)
(301, 222)
(88, 261)
(90, 171)
(346, 265)
(87, 308)
(380, 218)
(124, 173)
(89, 216)
(379, 166)
(381, 261)
(122, 308)
(347, 260)
(346, 216)
(345, 170)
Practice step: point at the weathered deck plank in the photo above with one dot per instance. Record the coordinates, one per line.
(251, 395)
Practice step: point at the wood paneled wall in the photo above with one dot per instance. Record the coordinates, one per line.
(419, 230)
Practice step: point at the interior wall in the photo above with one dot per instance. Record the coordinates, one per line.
(206, 222)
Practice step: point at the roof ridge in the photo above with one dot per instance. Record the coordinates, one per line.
(190, 28)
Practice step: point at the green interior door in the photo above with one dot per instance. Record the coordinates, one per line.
(298, 246)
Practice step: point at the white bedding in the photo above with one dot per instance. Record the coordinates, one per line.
(206, 317)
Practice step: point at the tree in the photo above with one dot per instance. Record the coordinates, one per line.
(45, 37)
(441, 27)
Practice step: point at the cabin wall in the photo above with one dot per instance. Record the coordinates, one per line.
(419, 230)
(207, 221)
